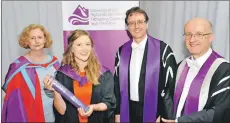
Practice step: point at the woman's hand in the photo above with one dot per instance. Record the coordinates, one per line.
(48, 83)
(86, 114)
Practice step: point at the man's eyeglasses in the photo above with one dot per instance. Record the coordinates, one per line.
(133, 23)
(198, 36)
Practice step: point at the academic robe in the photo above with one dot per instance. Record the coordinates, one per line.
(102, 93)
(208, 99)
(22, 102)
(157, 75)
(226, 116)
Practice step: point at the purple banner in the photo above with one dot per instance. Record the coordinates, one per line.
(68, 95)
(106, 44)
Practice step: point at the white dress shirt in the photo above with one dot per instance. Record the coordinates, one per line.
(135, 67)
(194, 67)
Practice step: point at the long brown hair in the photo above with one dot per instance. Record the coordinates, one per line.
(93, 69)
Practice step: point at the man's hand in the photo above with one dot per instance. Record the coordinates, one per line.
(158, 119)
(168, 121)
(117, 118)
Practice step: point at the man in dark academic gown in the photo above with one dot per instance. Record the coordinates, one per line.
(202, 82)
(144, 69)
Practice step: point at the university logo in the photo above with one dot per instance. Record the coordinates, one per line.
(80, 16)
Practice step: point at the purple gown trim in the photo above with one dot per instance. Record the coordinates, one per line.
(13, 108)
(68, 70)
(192, 100)
(151, 80)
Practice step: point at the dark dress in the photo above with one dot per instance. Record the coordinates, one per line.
(104, 92)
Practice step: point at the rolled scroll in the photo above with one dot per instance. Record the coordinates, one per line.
(68, 95)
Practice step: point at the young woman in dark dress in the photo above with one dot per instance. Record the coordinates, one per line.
(90, 82)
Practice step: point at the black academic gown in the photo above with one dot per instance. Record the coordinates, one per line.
(170, 63)
(100, 93)
(226, 116)
(217, 106)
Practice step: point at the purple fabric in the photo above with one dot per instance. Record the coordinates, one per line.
(192, 100)
(13, 108)
(68, 70)
(217, 55)
(151, 80)
(32, 74)
(123, 72)
(68, 95)
(14, 66)
(12, 69)
(31, 71)
(106, 43)
(180, 86)
(56, 65)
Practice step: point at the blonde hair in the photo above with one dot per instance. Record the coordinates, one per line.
(24, 36)
(93, 68)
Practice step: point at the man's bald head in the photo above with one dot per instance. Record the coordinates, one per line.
(200, 21)
(198, 36)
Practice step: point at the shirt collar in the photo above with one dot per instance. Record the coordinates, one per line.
(141, 45)
(199, 61)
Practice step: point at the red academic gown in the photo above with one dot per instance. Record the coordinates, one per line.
(22, 102)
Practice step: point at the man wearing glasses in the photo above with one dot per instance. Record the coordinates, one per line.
(202, 89)
(144, 69)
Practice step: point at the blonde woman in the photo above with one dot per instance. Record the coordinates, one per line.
(83, 75)
(26, 100)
